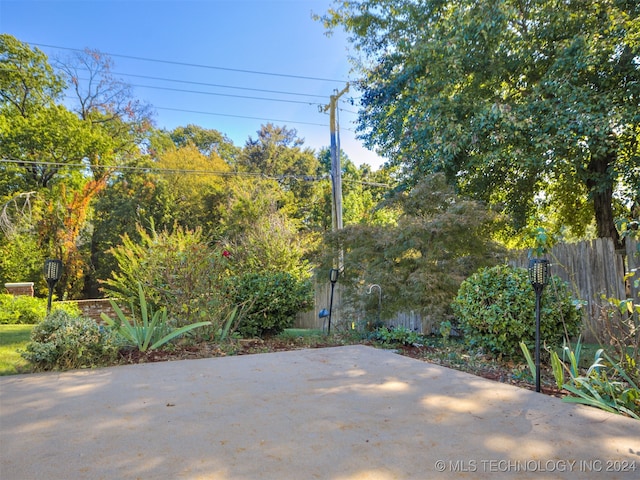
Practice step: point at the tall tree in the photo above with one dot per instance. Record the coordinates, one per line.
(438, 240)
(208, 141)
(514, 100)
(279, 153)
(65, 154)
(197, 186)
(104, 104)
(37, 133)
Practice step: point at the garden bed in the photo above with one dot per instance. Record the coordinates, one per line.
(450, 357)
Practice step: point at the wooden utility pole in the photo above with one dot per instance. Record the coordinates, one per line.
(336, 168)
(336, 190)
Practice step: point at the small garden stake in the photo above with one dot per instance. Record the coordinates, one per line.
(371, 287)
(539, 277)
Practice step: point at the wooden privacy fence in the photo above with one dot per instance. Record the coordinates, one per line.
(592, 269)
(311, 318)
(353, 318)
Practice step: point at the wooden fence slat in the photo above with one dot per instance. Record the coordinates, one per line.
(591, 268)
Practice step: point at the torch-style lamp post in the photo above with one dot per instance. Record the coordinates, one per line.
(52, 273)
(539, 277)
(333, 278)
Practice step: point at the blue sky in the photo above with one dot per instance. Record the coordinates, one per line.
(194, 45)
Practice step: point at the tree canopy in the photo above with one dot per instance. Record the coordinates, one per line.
(83, 171)
(63, 156)
(517, 102)
(438, 239)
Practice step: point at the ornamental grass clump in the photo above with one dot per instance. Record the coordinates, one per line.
(495, 308)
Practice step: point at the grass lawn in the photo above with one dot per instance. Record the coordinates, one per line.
(587, 355)
(12, 339)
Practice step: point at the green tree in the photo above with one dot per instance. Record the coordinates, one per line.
(197, 186)
(42, 142)
(279, 154)
(515, 101)
(134, 197)
(438, 240)
(208, 141)
(64, 155)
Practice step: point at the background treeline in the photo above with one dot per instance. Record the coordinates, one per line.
(87, 178)
(84, 171)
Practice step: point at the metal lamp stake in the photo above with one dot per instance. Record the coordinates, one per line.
(539, 277)
(333, 278)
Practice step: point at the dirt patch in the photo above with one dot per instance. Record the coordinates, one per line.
(485, 367)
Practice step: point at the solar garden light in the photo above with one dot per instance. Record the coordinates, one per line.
(333, 278)
(52, 273)
(539, 277)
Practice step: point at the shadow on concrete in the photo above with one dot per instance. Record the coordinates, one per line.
(336, 413)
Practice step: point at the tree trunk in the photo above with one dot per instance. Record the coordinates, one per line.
(600, 187)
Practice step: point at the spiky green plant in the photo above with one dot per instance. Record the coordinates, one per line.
(151, 331)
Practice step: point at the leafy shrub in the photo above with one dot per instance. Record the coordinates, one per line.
(63, 342)
(495, 308)
(178, 269)
(23, 309)
(272, 299)
(21, 258)
(396, 336)
(619, 327)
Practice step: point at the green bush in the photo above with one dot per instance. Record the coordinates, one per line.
(63, 342)
(495, 308)
(178, 269)
(21, 309)
(396, 336)
(26, 310)
(272, 300)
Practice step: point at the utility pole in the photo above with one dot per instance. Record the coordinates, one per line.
(336, 169)
(336, 190)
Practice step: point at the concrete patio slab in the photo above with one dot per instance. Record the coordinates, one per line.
(340, 413)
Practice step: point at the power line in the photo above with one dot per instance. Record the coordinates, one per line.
(221, 94)
(148, 77)
(196, 65)
(138, 168)
(240, 116)
(216, 85)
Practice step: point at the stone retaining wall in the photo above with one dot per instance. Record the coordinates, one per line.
(94, 307)
(20, 288)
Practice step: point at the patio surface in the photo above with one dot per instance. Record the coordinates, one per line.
(340, 413)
